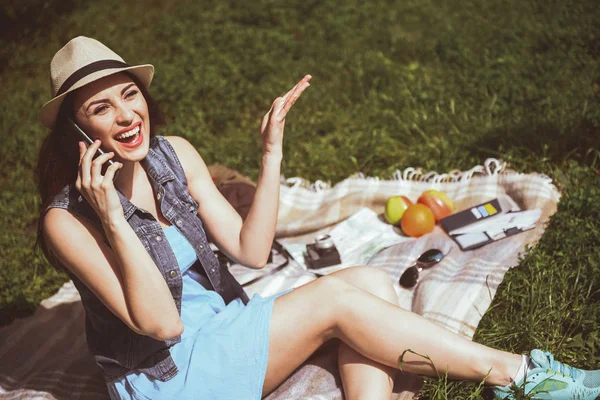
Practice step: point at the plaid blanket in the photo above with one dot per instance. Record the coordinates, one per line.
(45, 356)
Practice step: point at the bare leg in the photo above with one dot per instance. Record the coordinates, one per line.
(362, 377)
(330, 307)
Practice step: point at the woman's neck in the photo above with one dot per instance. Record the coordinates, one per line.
(131, 176)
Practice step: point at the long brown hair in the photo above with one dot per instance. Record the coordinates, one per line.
(58, 160)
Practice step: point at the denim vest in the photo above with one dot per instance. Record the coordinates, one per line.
(117, 349)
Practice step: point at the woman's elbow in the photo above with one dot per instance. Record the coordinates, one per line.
(166, 332)
(256, 264)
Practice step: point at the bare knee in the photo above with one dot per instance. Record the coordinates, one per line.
(332, 289)
(338, 293)
(332, 300)
(374, 280)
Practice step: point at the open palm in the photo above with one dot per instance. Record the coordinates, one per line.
(273, 122)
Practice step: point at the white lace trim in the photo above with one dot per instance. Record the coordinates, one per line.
(490, 167)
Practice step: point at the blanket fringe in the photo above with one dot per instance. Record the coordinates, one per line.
(490, 167)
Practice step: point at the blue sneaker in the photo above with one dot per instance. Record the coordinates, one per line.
(552, 380)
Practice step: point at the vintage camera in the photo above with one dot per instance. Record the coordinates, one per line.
(322, 253)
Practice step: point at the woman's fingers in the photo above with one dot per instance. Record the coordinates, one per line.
(294, 96)
(81, 150)
(86, 162)
(282, 105)
(306, 79)
(110, 174)
(85, 165)
(298, 85)
(97, 167)
(81, 153)
(98, 189)
(289, 93)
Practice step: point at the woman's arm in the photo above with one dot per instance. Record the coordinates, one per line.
(249, 243)
(125, 278)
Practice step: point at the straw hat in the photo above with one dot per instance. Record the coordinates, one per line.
(79, 62)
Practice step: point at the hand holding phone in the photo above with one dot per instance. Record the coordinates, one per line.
(89, 142)
(95, 180)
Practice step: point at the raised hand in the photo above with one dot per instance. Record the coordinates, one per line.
(98, 189)
(273, 122)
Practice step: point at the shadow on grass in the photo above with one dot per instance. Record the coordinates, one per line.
(580, 142)
(19, 19)
(19, 308)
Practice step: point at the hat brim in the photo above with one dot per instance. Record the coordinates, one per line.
(49, 111)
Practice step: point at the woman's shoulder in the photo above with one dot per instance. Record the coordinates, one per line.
(182, 147)
(70, 199)
(67, 197)
(68, 203)
(171, 140)
(182, 153)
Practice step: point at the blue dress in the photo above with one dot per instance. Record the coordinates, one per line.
(223, 349)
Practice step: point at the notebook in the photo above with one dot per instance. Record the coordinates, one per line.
(488, 222)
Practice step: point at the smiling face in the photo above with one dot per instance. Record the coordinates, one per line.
(114, 110)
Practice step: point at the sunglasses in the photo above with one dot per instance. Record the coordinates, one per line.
(410, 277)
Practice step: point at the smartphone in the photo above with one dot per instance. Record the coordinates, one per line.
(99, 152)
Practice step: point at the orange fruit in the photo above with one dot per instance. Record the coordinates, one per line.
(438, 202)
(417, 220)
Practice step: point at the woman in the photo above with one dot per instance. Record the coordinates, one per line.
(163, 319)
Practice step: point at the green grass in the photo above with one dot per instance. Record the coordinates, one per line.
(438, 85)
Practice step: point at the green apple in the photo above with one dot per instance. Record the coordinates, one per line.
(395, 207)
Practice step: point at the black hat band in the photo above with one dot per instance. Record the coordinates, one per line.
(87, 70)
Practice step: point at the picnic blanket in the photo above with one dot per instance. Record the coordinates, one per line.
(45, 356)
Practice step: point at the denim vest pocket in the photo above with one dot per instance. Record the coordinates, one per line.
(188, 202)
(159, 365)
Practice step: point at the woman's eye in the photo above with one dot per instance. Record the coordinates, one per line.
(100, 109)
(131, 94)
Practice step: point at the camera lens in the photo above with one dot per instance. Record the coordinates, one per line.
(324, 242)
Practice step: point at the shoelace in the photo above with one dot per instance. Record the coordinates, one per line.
(564, 369)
